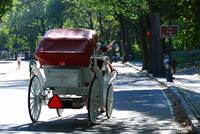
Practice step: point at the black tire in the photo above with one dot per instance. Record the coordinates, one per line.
(109, 101)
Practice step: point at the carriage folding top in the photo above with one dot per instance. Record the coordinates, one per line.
(66, 47)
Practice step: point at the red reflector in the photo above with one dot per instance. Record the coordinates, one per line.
(55, 102)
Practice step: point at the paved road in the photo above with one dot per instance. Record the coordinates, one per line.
(140, 107)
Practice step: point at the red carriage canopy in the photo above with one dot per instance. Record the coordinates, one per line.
(69, 47)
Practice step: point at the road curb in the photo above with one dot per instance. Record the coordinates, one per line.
(187, 108)
(182, 110)
(180, 102)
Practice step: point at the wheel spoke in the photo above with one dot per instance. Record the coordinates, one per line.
(31, 103)
(33, 110)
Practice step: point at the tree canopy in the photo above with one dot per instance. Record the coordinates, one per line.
(125, 21)
(5, 5)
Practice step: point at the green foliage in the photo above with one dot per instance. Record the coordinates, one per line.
(55, 13)
(3, 38)
(30, 19)
(136, 48)
(5, 5)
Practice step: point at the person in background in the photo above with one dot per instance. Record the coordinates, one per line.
(19, 61)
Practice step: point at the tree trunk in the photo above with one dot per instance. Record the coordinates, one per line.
(100, 25)
(123, 37)
(144, 25)
(156, 61)
(128, 42)
(123, 43)
(145, 54)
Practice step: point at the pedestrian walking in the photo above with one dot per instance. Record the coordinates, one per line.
(19, 61)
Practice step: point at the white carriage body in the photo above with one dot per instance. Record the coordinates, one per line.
(71, 81)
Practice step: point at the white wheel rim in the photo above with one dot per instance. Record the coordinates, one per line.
(35, 101)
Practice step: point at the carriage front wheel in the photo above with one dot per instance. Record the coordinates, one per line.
(109, 101)
(93, 102)
(34, 98)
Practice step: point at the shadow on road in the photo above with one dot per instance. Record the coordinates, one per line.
(76, 124)
(5, 62)
(65, 124)
(16, 84)
(147, 102)
(151, 107)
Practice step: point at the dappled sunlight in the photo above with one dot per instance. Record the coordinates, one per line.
(139, 107)
(121, 122)
(144, 122)
(133, 80)
(190, 82)
(144, 101)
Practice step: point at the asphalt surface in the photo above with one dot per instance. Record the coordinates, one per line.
(140, 106)
(186, 88)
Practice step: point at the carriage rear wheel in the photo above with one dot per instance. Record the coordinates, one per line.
(34, 98)
(109, 101)
(93, 102)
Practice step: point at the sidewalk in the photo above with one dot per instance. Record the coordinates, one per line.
(186, 87)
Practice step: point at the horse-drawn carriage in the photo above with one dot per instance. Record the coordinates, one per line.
(74, 75)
